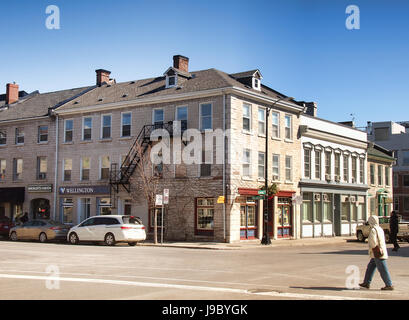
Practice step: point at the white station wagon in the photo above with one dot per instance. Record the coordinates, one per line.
(110, 228)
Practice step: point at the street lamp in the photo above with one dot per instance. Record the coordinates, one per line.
(266, 237)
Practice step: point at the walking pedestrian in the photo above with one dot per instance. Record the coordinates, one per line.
(394, 229)
(24, 218)
(378, 255)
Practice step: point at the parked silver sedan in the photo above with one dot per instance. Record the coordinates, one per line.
(41, 230)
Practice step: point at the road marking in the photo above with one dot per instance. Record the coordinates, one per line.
(182, 287)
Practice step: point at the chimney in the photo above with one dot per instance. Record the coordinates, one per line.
(181, 63)
(11, 93)
(102, 76)
(311, 108)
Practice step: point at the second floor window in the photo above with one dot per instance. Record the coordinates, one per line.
(85, 168)
(307, 163)
(288, 168)
(42, 134)
(68, 130)
(346, 168)
(206, 116)
(17, 169)
(181, 115)
(318, 165)
(2, 170)
(261, 165)
(247, 163)
(354, 170)
(276, 167)
(126, 124)
(67, 169)
(3, 137)
(405, 158)
(246, 117)
(361, 170)
(87, 129)
(387, 176)
(106, 127)
(337, 164)
(19, 135)
(327, 163)
(41, 168)
(105, 164)
(380, 175)
(372, 174)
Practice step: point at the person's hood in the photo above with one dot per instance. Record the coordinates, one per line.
(373, 221)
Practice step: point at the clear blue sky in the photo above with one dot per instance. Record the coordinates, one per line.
(302, 48)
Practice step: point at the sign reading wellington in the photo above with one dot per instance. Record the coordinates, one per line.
(84, 190)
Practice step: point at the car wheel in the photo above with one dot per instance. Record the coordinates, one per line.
(109, 239)
(132, 244)
(42, 237)
(360, 236)
(13, 236)
(73, 238)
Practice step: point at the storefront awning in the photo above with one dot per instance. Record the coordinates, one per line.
(12, 195)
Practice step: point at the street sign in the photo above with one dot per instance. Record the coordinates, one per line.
(220, 199)
(261, 197)
(262, 192)
(165, 196)
(159, 200)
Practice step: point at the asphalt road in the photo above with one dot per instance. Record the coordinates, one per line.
(30, 270)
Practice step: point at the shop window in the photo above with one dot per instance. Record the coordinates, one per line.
(205, 214)
(104, 206)
(327, 207)
(85, 208)
(67, 210)
(307, 207)
(345, 209)
(248, 219)
(317, 207)
(361, 211)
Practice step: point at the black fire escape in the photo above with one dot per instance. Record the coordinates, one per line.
(122, 176)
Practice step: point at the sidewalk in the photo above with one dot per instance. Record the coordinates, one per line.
(251, 244)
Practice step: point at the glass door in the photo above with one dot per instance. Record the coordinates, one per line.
(284, 227)
(248, 220)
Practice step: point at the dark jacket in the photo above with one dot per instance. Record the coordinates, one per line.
(394, 224)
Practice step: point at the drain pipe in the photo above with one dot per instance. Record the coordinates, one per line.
(224, 167)
(56, 168)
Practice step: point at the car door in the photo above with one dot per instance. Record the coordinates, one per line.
(22, 230)
(31, 231)
(83, 231)
(98, 229)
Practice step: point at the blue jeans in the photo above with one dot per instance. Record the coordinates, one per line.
(382, 268)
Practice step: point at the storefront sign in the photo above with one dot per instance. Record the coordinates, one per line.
(40, 188)
(220, 199)
(84, 190)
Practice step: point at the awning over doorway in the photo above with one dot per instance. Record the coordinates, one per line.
(12, 195)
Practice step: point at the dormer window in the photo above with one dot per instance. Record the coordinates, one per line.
(251, 79)
(256, 83)
(171, 81)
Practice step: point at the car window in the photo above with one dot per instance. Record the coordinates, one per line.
(28, 224)
(111, 221)
(88, 222)
(99, 221)
(131, 220)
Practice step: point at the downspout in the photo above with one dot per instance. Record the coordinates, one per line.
(224, 167)
(56, 168)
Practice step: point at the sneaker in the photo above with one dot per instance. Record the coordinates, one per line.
(364, 285)
(388, 288)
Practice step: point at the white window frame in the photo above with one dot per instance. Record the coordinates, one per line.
(63, 168)
(278, 125)
(4, 131)
(263, 110)
(278, 166)
(100, 165)
(3, 161)
(290, 168)
(65, 130)
(180, 107)
(39, 135)
(249, 117)
(102, 126)
(122, 124)
(261, 165)
(255, 81)
(153, 114)
(211, 116)
(19, 135)
(176, 81)
(81, 168)
(249, 176)
(291, 127)
(83, 127)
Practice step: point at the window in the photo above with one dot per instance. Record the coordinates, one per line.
(276, 167)
(372, 173)
(17, 169)
(387, 176)
(380, 175)
(327, 163)
(247, 163)
(405, 157)
(158, 118)
(104, 206)
(396, 203)
(307, 163)
(3, 137)
(354, 170)
(256, 84)
(337, 164)
(261, 165)
(406, 204)
(345, 209)
(205, 214)
(205, 166)
(126, 120)
(275, 120)
(19, 135)
(206, 116)
(85, 208)
(171, 81)
(42, 134)
(317, 207)
(181, 115)
(85, 168)
(128, 208)
(2, 170)
(261, 121)
(327, 207)
(361, 170)
(67, 169)
(246, 117)
(41, 168)
(67, 210)
(346, 168)
(288, 168)
(307, 207)
(318, 165)
(106, 126)
(87, 129)
(395, 180)
(288, 127)
(406, 180)
(105, 167)
(68, 130)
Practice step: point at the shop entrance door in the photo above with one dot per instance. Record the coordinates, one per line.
(248, 220)
(40, 208)
(284, 221)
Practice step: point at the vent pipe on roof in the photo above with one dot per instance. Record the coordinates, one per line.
(11, 93)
